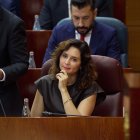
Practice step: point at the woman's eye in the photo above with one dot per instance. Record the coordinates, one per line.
(64, 55)
(74, 59)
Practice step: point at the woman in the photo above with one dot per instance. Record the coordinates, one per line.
(70, 87)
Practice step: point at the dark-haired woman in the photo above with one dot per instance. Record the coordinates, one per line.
(70, 86)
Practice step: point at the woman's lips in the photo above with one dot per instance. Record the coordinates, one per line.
(66, 68)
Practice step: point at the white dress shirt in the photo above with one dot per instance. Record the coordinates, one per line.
(87, 37)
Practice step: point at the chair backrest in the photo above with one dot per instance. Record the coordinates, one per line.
(112, 106)
(37, 41)
(122, 34)
(110, 77)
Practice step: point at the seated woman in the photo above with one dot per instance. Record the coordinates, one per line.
(70, 87)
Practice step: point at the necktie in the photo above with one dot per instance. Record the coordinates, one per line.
(82, 37)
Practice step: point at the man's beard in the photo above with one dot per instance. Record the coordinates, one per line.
(83, 30)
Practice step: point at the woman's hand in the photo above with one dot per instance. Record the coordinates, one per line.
(62, 76)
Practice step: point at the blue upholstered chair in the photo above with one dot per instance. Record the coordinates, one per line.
(121, 33)
(122, 36)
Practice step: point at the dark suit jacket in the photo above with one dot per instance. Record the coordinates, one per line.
(105, 8)
(11, 5)
(55, 10)
(13, 60)
(103, 39)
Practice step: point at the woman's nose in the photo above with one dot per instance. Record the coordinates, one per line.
(67, 61)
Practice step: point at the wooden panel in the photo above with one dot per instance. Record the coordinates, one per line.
(132, 12)
(134, 47)
(37, 41)
(133, 80)
(133, 23)
(61, 128)
(28, 9)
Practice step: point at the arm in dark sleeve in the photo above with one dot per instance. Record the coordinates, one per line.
(17, 51)
(45, 17)
(105, 8)
(15, 7)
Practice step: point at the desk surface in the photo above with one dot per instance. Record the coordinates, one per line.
(62, 128)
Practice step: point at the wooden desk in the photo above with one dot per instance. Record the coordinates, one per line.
(128, 70)
(62, 128)
(133, 80)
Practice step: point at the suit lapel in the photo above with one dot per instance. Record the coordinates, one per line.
(95, 38)
(68, 31)
(71, 31)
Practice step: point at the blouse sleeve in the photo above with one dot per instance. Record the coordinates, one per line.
(42, 84)
(94, 89)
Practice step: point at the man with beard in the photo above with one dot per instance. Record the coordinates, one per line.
(101, 38)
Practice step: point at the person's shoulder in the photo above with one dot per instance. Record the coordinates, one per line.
(106, 31)
(47, 78)
(14, 18)
(64, 26)
(10, 22)
(10, 17)
(11, 5)
(104, 27)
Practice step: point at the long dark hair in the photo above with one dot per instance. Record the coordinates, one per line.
(86, 73)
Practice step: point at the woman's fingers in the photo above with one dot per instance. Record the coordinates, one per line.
(62, 74)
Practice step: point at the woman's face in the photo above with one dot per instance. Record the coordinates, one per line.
(70, 61)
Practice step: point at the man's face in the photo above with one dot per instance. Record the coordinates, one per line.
(83, 18)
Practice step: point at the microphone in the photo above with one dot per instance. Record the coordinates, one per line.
(2, 108)
(46, 113)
